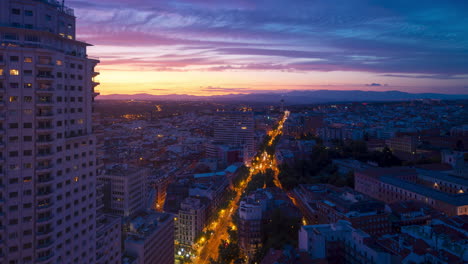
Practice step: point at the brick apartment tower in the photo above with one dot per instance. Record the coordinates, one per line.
(48, 162)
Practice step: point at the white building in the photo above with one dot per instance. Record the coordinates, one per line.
(191, 220)
(48, 170)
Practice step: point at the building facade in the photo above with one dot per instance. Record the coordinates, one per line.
(191, 221)
(150, 239)
(124, 190)
(49, 165)
(236, 128)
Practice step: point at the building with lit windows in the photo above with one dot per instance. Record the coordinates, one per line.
(124, 189)
(236, 128)
(48, 146)
(191, 220)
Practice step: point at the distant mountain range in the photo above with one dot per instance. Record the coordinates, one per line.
(293, 97)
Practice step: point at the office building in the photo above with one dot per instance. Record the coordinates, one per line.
(109, 240)
(250, 227)
(150, 239)
(48, 170)
(124, 189)
(236, 128)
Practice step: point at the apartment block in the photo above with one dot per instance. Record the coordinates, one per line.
(124, 188)
(48, 146)
(236, 128)
(324, 203)
(150, 239)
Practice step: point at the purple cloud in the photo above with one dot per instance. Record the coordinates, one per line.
(392, 38)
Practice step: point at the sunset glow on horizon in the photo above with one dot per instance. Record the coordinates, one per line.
(209, 47)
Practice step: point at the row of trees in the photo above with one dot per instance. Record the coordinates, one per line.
(319, 168)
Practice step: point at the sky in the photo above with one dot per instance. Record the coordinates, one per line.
(213, 47)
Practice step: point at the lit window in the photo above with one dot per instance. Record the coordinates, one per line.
(14, 72)
(28, 85)
(27, 59)
(59, 63)
(1, 72)
(13, 98)
(70, 37)
(76, 179)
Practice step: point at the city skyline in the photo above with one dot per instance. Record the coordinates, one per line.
(222, 47)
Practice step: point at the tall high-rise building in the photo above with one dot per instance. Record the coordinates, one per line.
(48, 148)
(236, 128)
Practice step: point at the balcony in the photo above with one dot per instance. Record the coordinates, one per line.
(43, 206)
(45, 102)
(44, 232)
(45, 77)
(95, 83)
(44, 155)
(45, 194)
(45, 179)
(45, 258)
(45, 128)
(45, 64)
(45, 245)
(46, 90)
(95, 74)
(46, 219)
(44, 169)
(2, 116)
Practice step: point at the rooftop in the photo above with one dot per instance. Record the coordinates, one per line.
(453, 199)
(145, 224)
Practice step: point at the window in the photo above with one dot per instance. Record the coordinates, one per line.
(27, 72)
(27, 59)
(15, 11)
(14, 85)
(13, 99)
(27, 125)
(14, 72)
(14, 58)
(59, 63)
(48, 17)
(28, 85)
(27, 99)
(28, 12)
